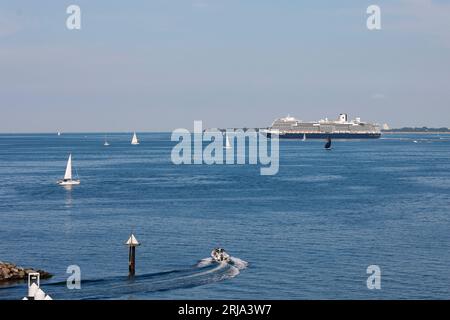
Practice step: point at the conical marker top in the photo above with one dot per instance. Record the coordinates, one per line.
(132, 241)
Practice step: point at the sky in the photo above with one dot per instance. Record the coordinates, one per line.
(159, 65)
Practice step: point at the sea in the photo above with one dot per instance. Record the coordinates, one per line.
(309, 232)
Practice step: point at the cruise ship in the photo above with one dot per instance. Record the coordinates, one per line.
(292, 128)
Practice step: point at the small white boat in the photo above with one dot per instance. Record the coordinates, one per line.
(304, 137)
(68, 181)
(106, 142)
(134, 140)
(219, 255)
(227, 142)
(59, 133)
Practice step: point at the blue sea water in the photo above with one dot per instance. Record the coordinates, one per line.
(309, 232)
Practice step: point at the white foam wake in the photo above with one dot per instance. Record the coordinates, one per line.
(205, 262)
(238, 263)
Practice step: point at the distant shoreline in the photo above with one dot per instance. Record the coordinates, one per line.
(390, 131)
(416, 132)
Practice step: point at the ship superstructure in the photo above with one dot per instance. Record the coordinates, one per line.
(292, 128)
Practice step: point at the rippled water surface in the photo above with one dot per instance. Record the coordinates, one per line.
(309, 232)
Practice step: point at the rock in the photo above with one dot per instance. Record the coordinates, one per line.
(43, 274)
(10, 272)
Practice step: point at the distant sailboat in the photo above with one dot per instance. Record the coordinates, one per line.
(135, 140)
(59, 133)
(328, 144)
(227, 142)
(106, 142)
(304, 137)
(68, 181)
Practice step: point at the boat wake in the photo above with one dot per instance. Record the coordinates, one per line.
(205, 272)
(235, 262)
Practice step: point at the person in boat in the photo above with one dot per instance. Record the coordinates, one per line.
(219, 255)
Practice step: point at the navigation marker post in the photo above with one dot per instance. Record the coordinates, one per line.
(132, 243)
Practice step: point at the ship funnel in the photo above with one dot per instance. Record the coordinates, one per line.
(343, 117)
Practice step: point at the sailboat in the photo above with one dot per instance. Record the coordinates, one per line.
(304, 137)
(106, 142)
(135, 140)
(328, 144)
(227, 143)
(59, 133)
(68, 181)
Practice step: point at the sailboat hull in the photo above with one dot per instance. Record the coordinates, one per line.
(68, 182)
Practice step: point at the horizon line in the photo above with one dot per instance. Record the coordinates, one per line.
(169, 131)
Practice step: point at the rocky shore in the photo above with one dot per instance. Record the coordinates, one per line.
(10, 272)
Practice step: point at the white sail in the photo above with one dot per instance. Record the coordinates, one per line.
(68, 181)
(227, 143)
(68, 174)
(304, 137)
(135, 139)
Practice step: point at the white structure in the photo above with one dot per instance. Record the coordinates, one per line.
(134, 140)
(68, 181)
(343, 118)
(34, 291)
(132, 241)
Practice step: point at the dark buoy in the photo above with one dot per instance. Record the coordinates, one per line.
(328, 144)
(132, 243)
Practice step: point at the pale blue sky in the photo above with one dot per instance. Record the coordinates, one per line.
(161, 64)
